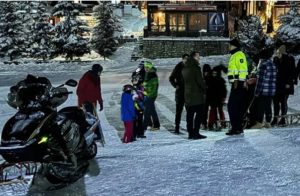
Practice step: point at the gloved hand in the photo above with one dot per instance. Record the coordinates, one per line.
(251, 81)
(246, 85)
(235, 84)
(101, 106)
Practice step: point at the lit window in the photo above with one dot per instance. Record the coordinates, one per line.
(198, 22)
(158, 22)
(177, 22)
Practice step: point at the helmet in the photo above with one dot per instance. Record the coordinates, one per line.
(127, 87)
(137, 78)
(148, 64)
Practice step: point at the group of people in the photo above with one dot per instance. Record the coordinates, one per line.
(197, 91)
(274, 78)
(271, 79)
(202, 92)
(137, 100)
(138, 103)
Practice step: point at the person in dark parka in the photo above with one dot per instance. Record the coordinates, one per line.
(207, 74)
(216, 96)
(194, 95)
(285, 81)
(176, 80)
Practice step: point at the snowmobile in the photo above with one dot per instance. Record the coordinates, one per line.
(61, 140)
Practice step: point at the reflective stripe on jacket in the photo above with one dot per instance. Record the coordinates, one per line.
(237, 68)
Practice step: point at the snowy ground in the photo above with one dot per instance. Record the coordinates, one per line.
(261, 162)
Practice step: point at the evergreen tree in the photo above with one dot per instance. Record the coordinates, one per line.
(251, 35)
(103, 40)
(41, 28)
(24, 8)
(12, 34)
(289, 31)
(68, 39)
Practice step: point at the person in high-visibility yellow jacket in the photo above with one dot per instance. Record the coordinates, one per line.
(237, 76)
(237, 68)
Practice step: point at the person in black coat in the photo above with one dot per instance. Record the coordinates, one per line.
(207, 74)
(176, 80)
(286, 70)
(216, 96)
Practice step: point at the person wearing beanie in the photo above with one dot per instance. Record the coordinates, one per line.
(237, 76)
(176, 80)
(89, 91)
(235, 43)
(89, 87)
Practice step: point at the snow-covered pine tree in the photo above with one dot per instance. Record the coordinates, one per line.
(24, 8)
(12, 38)
(68, 39)
(251, 35)
(41, 28)
(103, 40)
(289, 31)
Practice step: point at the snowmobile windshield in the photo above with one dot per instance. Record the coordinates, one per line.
(28, 96)
(59, 96)
(30, 92)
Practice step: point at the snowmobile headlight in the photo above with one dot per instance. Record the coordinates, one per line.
(43, 140)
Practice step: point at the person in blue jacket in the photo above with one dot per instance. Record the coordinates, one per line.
(127, 112)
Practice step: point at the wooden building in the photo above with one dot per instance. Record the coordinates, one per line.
(209, 18)
(187, 18)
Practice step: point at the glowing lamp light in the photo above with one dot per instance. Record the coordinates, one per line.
(270, 4)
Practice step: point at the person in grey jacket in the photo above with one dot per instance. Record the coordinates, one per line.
(194, 95)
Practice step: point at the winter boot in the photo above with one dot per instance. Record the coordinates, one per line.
(258, 125)
(198, 136)
(223, 125)
(274, 121)
(282, 122)
(267, 125)
(177, 127)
